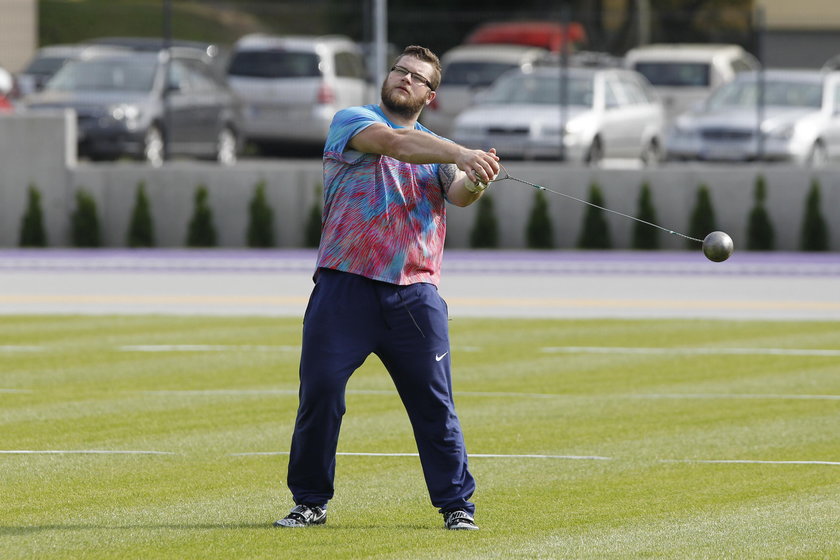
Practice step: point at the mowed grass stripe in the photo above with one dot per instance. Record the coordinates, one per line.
(664, 420)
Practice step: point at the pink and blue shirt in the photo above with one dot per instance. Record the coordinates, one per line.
(383, 218)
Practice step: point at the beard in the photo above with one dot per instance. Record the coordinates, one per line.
(405, 107)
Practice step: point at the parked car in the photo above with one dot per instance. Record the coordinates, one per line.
(549, 35)
(292, 86)
(125, 106)
(800, 120)
(49, 60)
(213, 54)
(685, 74)
(609, 112)
(468, 70)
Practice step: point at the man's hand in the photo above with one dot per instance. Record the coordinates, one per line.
(480, 167)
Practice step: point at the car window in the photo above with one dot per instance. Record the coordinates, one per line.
(349, 65)
(675, 74)
(45, 66)
(636, 95)
(275, 64)
(742, 65)
(123, 74)
(540, 90)
(776, 93)
(475, 74)
(198, 75)
(612, 97)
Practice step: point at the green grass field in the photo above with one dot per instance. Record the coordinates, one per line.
(617, 439)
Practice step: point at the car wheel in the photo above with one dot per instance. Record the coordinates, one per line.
(153, 147)
(818, 156)
(652, 154)
(226, 147)
(595, 154)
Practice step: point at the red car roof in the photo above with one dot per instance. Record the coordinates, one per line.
(548, 35)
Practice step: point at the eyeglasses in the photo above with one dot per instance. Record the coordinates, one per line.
(402, 71)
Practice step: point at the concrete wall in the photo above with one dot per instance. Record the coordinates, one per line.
(41, 150)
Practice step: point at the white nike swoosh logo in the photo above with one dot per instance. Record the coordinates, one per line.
(439, 358)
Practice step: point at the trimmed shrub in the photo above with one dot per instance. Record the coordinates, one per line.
(485, 232)
(702, 221)
(760, 234)
(32, 232)
(141, 228)
(85, 222)
(814, 227)
(644, 236)
(539, 233)
(595, 233)
(261, 222)
(312, 233)
(201, 231)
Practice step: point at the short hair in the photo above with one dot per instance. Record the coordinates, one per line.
(424, 54)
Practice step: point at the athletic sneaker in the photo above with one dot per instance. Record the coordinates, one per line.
(303, 516)
(459, 520)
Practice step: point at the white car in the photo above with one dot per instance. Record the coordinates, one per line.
(468, 70)
(608, 112)
(799, 120)
(685, 74)
(292, 86)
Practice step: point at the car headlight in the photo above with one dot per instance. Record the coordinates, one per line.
(783, 132)
(129, 114)
(681, 130)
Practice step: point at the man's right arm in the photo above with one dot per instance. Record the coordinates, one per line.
(416, 146)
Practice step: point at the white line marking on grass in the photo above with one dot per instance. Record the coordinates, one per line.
(471, 455)
(487, 394)
(737, 396)
(211, 392)
(691, 351)
(81, 452)
(10, 348)
(15, 390)
(205, 348)
(751, 462)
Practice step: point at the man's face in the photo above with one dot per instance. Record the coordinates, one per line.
(405, 90)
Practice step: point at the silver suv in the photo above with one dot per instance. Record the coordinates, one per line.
(685, 74)
(291, 86)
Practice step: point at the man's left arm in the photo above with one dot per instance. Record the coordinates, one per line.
(459, 188)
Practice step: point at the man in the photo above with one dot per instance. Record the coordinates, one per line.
(386, 180)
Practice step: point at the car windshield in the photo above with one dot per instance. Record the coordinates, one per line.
(540, 90)
(45, 66)
(474, 74)
(675, 74)
(275, 64)
(776, 93)
(124, 74)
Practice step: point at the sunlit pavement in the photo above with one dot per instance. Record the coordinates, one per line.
(550, 284)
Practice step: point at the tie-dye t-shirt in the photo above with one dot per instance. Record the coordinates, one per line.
(383, 218)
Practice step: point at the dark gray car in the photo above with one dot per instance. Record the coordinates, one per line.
(125, 107)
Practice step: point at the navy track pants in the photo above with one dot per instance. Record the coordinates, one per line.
(348, 318)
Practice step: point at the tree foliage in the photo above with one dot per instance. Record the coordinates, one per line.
(644, 235)
(485, 232)
(141, 226)
(595, 232)
(32, 232)
(760, 234)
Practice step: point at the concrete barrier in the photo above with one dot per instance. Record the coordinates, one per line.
(41, 150)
